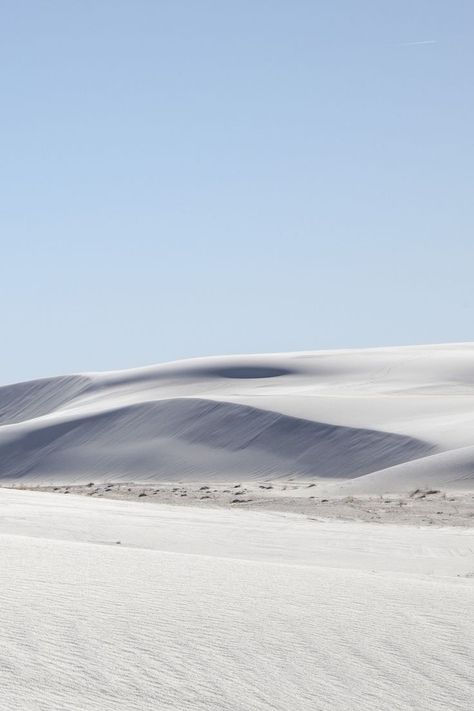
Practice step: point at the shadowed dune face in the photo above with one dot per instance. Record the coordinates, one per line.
(334, 415)
(23, 401)
(196, 438)
(247, 372)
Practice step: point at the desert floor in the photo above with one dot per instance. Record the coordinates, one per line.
(121, 605)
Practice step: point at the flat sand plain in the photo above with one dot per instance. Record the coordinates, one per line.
(419, 507)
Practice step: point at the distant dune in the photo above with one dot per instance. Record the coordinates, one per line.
(363, 421)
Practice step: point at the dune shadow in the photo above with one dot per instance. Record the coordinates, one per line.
(200, 438)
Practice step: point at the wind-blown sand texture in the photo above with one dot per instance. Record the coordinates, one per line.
(115, 606)
(368, 421)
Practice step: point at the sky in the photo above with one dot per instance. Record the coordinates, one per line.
(182, 178)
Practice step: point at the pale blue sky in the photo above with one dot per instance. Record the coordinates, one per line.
(193, 177)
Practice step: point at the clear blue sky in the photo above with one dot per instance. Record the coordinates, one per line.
(193, 177)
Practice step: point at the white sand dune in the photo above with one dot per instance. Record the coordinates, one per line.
(450, 470)
(228, 610)
(370, 420)
(116, 605)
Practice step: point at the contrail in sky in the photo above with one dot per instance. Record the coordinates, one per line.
(412, 44)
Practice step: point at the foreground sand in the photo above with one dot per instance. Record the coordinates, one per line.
(113, 606)
(421, 507)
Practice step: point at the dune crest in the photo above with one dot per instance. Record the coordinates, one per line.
(367, 420)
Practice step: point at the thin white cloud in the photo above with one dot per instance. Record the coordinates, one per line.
(413, 44)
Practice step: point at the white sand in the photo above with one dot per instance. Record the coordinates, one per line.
(228, 610)
(362, 422)
(421, 507)
(306, 603)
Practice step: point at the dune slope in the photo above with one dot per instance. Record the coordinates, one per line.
(372, 419)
